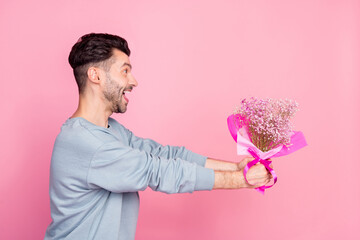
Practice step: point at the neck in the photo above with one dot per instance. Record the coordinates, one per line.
(92, 109)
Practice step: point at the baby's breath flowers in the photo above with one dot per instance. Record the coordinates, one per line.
(267, 121)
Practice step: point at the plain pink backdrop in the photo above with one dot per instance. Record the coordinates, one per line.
(194, 61)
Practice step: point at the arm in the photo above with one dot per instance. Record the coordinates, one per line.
(220, 165)
(155, 148)
(117, 167)
(120, 168)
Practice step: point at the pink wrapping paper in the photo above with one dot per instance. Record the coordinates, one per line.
(246, 147)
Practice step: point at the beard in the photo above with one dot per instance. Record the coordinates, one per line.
(113, 93)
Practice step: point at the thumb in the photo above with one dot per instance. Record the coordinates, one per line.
(248, 159)
(245, 161)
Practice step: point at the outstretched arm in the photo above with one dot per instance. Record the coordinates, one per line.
(111, 169)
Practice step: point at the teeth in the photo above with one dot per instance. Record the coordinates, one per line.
(126, 91)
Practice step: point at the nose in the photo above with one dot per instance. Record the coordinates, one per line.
(133, 81)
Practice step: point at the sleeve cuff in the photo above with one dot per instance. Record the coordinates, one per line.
(205, 178)
(198, 159)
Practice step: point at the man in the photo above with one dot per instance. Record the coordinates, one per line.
(98, 166)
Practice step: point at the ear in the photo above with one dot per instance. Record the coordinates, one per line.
(93, 74)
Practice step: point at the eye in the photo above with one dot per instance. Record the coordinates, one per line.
(125, 71)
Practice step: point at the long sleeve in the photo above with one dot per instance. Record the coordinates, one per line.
(155, 148)
(120, 168)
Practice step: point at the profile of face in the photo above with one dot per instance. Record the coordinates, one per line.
(119, 81)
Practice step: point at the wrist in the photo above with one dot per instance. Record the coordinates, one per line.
(229, 180)
(237, 167)
(241, 179)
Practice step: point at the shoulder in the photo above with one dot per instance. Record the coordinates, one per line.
(74, 148)
(80, 133)
(118, 126)
(114, 123)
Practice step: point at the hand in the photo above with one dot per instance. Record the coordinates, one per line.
(257, 175)
(242, 164)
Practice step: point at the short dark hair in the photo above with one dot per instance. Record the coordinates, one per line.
(94, 49)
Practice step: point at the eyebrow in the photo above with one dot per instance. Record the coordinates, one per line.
(126, 64)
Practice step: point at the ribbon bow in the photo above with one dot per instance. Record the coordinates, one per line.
(266, 163)
(244, 146)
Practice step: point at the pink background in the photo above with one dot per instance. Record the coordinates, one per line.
(194, 61)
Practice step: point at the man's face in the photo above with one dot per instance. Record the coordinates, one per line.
(119, 81)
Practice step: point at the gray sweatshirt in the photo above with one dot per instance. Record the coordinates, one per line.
(96, 173)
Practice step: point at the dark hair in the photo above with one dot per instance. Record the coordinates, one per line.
(94, 49)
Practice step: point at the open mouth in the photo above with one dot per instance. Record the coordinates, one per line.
(126, 92)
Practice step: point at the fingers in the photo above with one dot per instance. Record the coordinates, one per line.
(270, 177)
(271, 165)
(258, 176)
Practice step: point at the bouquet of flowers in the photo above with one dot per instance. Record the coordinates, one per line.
(262, 128)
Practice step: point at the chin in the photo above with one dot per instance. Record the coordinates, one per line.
(119, 108)
(122, 109)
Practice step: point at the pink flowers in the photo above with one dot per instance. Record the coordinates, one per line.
(262, 128)
(267, 121)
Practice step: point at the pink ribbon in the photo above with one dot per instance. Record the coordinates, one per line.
(266, 163)
(297, 142)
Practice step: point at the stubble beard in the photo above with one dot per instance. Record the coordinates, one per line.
(112, 93)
